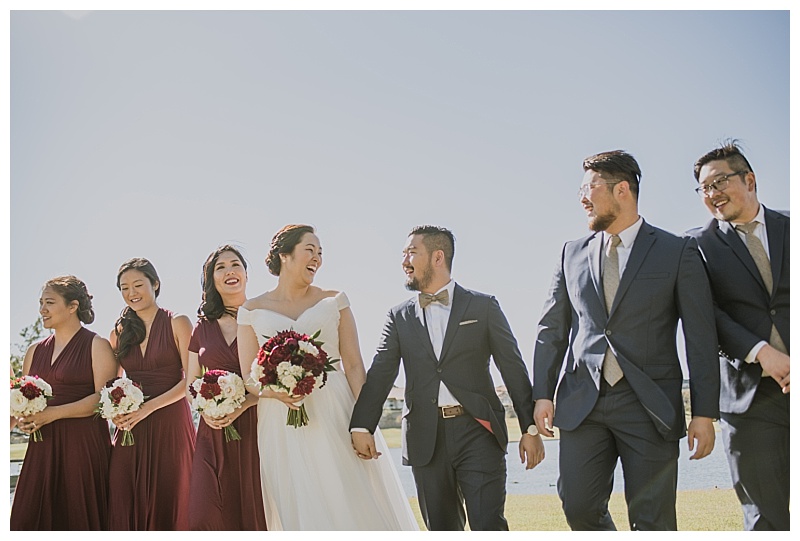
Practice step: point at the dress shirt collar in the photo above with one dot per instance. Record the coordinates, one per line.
(626, 236)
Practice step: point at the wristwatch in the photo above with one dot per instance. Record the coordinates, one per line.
(532, 430)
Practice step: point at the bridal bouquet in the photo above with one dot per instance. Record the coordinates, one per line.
(217, 393)
(294, 363)
(29, 395)
(117, 397)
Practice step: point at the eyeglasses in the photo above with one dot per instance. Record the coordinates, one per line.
(584, 189)
(720, 184)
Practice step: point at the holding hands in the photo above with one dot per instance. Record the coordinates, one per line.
(364, 445)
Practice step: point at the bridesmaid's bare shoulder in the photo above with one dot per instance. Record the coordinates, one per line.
(181, 323)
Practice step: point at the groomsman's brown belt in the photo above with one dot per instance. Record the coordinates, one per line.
(448, 412)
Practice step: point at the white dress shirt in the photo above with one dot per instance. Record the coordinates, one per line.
(761, 232)
(434, 318)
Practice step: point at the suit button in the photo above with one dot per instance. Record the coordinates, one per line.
(439, 370)
(772, 312)
(433, 401)
(608, 333)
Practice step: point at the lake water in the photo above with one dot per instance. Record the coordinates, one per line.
(710, 472)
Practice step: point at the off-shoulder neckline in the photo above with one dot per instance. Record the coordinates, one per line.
(289, 317)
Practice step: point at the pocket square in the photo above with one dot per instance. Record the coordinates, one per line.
(468, 321)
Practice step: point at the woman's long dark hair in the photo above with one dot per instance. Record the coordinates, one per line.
(211, 307)
(130, 328)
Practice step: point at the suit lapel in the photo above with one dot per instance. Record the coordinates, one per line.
(594, 248)
(644, 241)
(730, 237)
(424, 339)
(460, 303)
(776, 231)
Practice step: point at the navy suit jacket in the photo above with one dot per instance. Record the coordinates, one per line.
(745, 310)
(663, 282)
(477, 330)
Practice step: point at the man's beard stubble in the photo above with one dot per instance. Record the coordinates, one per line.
(415, 284)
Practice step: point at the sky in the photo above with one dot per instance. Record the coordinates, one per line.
(165, 134)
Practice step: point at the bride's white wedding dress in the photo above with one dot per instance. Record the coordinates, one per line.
(311, 478)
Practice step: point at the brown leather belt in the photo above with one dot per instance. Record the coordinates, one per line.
(449, 412)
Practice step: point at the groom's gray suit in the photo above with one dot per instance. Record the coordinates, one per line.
(477, 330)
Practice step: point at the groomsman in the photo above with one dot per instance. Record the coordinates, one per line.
(610, 324)
(746, 252)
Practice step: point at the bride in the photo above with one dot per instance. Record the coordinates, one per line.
(311, 478)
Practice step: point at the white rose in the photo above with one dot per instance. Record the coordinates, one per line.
(308, 347)
(288, 381)
(227, 386)
(18, 402)
(284, 368)
(256, 372)
(212, 410)
(38, 404)
(43, 385)
(128, 404)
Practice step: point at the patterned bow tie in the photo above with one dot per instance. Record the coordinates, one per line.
(442, 297)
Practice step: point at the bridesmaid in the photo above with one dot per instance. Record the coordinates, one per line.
(225, 491)
(149, 481)
(64, 481)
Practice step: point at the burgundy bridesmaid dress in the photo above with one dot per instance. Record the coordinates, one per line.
(225, 489)
(63, 484)
(149, 481)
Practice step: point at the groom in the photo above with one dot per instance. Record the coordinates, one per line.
(454, 430)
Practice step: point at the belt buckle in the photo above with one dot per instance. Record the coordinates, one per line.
(456, 413)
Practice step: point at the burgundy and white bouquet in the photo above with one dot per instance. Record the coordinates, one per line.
(117, 397)
(294, 363)
(29, 395)
(217, 393)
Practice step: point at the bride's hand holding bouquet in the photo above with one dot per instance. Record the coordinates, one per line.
(290, 366)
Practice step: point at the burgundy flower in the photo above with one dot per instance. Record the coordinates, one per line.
(304, 386)
(117, 395)
(30, 391)
(210, 390)
(211, 376)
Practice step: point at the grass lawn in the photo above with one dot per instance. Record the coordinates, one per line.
(18, 451)
(698, 510)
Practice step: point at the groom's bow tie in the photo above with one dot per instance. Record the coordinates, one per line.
(442, 297)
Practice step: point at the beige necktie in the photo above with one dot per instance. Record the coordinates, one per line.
(611, 369)
(442, 297)
(759, 255)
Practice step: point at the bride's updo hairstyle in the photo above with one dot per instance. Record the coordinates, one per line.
(284, 242)
(130, 328)
(72, 289)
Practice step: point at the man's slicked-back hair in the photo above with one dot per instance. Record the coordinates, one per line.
(730, 151)
(616, 165)
(437, 238)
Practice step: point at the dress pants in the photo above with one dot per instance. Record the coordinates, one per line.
(618, 427)
(757, 445)
(467, 467)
